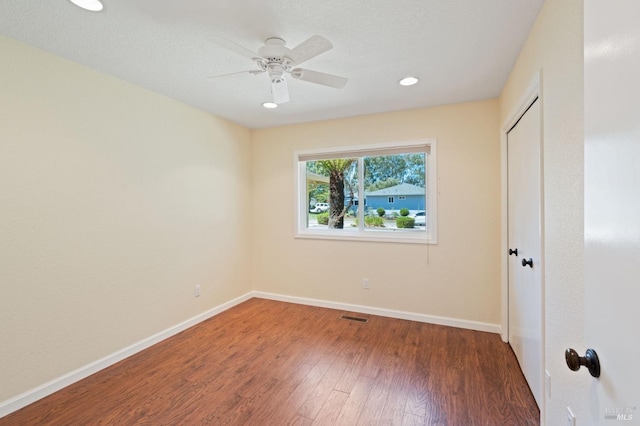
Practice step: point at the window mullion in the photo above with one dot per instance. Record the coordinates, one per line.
(361, 197)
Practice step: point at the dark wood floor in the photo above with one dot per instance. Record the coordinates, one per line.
(273, 363)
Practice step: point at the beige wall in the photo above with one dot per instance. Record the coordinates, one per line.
(457, 278)
(555, 45)
(114, 203)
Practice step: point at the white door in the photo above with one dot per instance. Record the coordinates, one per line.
(524, 235)
(612, 209)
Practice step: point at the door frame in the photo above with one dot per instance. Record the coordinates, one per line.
(533, 92)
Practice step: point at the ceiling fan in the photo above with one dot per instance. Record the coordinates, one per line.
(277, 60)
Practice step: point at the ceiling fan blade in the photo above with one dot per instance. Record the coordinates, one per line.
(319, 78)
(234, 47)
(311, 48)
(254, 72)
(280, 92)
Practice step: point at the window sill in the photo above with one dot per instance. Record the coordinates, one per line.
(397, 236)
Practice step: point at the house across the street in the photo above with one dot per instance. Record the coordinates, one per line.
(397, 197)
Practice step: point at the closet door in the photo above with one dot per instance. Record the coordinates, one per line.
(524, 227)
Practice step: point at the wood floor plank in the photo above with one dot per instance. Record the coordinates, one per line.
(306, 387)
(316, 400)
(386, 403)
(301, 421)
(353, 406)
(371, 412)
(413, 420)
(331, 408)
(271, 363)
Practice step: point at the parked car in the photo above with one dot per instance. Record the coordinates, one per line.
(420, 219)
(319, 208)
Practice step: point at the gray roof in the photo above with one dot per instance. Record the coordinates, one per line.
(402, 189)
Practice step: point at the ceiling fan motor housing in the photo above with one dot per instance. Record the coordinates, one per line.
(273, 47)
(275, 60)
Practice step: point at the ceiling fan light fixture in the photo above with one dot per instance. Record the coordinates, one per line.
(270, 105)
(408, 81)
(91, 5)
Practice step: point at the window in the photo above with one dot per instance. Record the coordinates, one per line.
(396, 183)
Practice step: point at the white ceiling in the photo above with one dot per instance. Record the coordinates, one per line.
(462, 50)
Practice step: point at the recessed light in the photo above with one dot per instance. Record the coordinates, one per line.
(270, 105)
(408, 81)
(91, 5)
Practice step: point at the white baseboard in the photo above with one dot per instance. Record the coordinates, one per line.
(30, 396)
(411, 316)
(26, 398)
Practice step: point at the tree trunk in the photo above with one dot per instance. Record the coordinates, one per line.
(336, 200)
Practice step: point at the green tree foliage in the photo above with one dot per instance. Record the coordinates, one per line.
(315, 167)
(382, 184)
(318, 192)
(385, 171)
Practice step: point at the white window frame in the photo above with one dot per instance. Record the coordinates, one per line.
(429, 236)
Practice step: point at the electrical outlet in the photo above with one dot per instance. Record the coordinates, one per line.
(571, 418)
(365, 283)
(197, 290)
